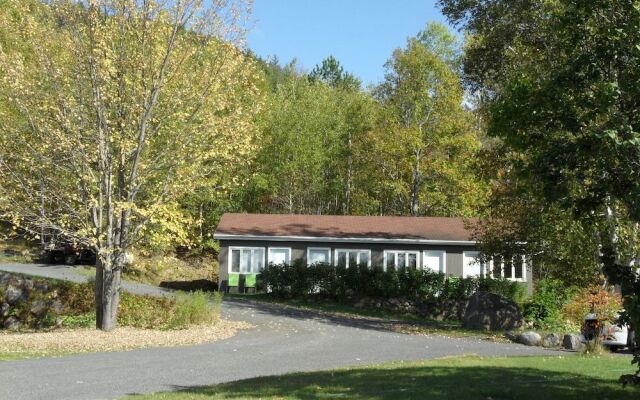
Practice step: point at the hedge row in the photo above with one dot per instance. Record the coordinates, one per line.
(300, 280)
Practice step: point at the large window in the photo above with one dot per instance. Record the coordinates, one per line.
(352, 257)
(471, 264)
(279, 255)
(434, 260)
(400, 259)
(317, 255)
(246, 260)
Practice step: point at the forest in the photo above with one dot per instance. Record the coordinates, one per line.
(131, 125)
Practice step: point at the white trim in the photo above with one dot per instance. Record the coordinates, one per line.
(444, 259)
(335, 257)
(252, 248)
(224, 236)
(327, 249)
(395, 261)
(278, 248)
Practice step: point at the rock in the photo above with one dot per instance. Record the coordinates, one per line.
(529, 338)
(56, 306)
(511, 335)
(490, 312)
(38, 308)
(571, 342)
(59, 321)
(13, 294)
(551, 340)
(41, 287)
(4, 278)
(4, 310)
(28, 284)
(11, 323)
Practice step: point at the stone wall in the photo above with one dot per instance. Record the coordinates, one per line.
(28, 303)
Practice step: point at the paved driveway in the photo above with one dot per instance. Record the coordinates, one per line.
(282, 341)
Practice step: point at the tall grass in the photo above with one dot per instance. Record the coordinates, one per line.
(197, 308)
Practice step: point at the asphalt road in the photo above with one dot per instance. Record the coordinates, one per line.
(282, 341)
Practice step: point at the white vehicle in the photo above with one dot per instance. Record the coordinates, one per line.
(613, 336)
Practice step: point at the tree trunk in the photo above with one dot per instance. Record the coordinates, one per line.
(107, 293)
(415, 187)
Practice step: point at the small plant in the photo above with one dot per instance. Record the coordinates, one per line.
(87, 320)
(197, 308)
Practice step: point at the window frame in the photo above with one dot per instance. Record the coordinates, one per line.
(310, 249)
(240, 248)
(444, 260)
(288, 249)
(335, 256)
(406, 259)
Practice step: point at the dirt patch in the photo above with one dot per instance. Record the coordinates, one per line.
(124, 338)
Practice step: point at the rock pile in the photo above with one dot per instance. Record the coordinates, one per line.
(25, 302)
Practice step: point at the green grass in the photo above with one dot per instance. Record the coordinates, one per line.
(402, 322)
(522, 378)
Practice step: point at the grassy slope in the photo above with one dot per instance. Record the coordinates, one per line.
(569, 377)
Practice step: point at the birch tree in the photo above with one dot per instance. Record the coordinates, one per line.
(111, 111)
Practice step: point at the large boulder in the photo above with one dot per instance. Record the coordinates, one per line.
(551, 340)
(529, 338)
(490, 312)
(13, 294)
(12, 323)
(571, 342)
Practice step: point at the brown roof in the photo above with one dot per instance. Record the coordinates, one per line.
(344, 226)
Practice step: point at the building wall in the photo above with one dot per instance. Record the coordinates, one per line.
(454, 254)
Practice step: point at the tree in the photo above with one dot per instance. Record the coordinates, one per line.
(559, 81)
(111, 111)
(331, 73)
(304, 163)
(426, 139)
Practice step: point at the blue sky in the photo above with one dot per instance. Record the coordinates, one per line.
(361, 34)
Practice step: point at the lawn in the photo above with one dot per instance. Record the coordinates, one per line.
(564, 377)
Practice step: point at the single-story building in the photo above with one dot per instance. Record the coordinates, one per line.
(248, 242)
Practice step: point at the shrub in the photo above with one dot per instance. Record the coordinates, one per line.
(544, 309)
(339, 283)
(197, 308)
(606, 304)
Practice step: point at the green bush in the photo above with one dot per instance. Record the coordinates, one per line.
(197, 308)
(545, 307)
(299, 280)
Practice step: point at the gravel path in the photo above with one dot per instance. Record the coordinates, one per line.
(283, 340)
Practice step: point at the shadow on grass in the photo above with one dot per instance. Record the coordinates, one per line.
(426, 382)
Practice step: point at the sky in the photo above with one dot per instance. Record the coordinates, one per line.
(360, 34)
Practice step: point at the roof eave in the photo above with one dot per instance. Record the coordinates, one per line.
(277, 238)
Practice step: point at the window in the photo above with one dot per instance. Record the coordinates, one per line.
(279, 255)
(348, 257)
(471, 265)
(434, 260)
(246, 260)
(317, 255)
(400, 259)
(514, 269)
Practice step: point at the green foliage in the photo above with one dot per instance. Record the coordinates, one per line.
(340, 283)
(86, 320)
(197, 308)
(545, 307)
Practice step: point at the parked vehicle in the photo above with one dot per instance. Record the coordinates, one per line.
(614, 336)
(69, 254)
